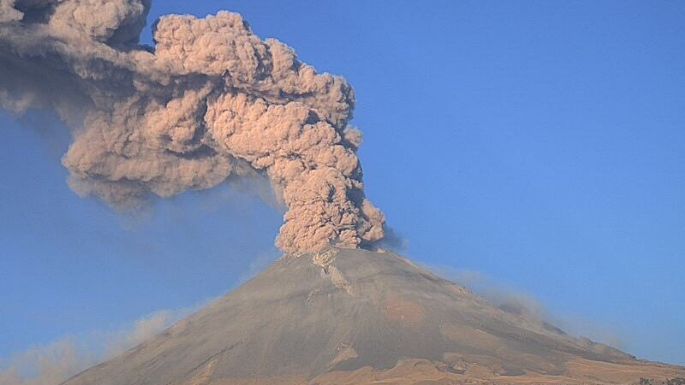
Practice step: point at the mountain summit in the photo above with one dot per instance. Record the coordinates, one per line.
(355, 317)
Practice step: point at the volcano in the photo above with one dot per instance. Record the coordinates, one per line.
(355, 317)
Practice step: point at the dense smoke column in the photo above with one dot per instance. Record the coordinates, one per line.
(210, 102)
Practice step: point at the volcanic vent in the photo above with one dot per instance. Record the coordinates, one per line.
(358, 317)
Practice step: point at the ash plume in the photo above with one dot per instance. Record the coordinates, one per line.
(211, 101)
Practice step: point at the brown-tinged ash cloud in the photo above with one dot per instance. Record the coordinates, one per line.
(210, 102)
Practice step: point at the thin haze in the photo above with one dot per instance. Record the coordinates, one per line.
(54, 363)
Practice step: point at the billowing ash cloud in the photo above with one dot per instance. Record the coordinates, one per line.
(211, 101)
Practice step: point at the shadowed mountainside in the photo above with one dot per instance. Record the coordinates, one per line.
(359, 317)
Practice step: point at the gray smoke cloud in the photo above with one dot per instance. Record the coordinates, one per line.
(210, 102)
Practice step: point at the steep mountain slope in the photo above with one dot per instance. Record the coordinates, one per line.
(359, 317)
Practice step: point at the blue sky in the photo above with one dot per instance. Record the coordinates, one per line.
(541, 144)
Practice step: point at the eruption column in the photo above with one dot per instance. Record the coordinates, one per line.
(210, 102)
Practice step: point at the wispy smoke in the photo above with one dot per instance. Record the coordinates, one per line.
(506, 298)
(211, 101)
(52, 364)
(516, 302)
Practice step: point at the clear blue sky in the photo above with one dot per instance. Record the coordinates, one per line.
(539, 143)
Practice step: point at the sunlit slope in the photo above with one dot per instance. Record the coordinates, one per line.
(357, 317)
